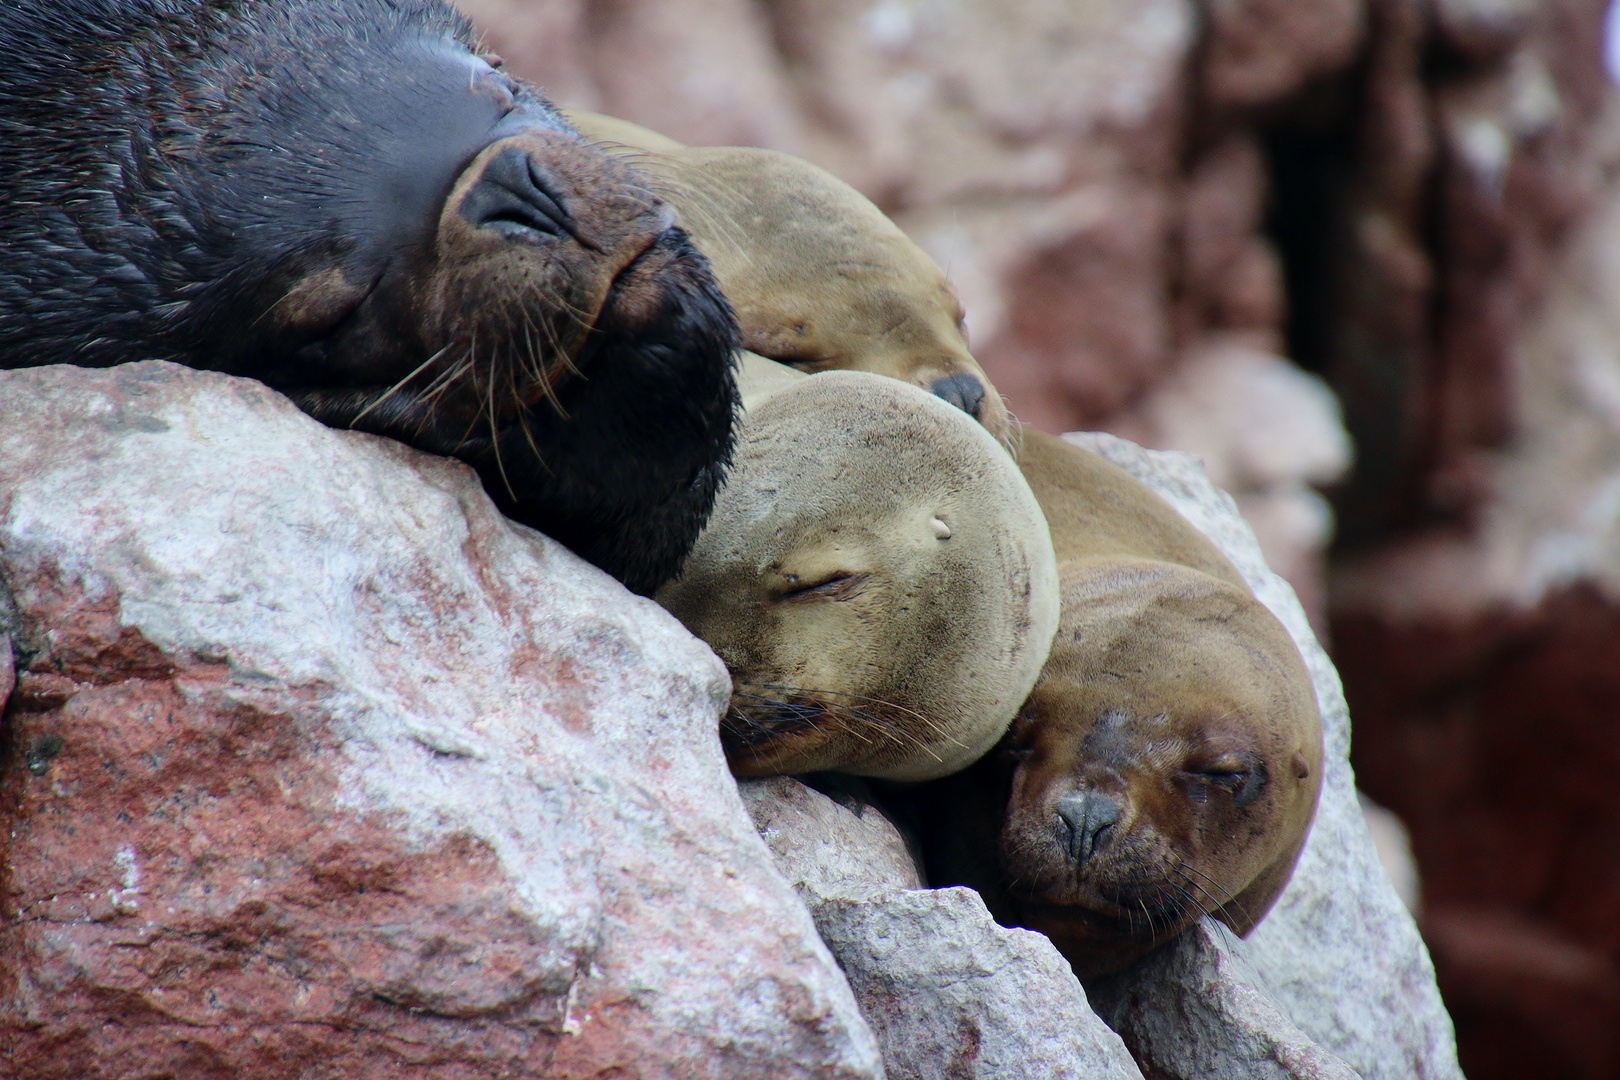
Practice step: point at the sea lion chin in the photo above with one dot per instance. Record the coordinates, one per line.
(876, 576)
(820, 277)
(342, 199)
(1168, 762)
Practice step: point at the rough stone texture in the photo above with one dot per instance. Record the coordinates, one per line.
(1196, 1010)
(948, 992)
(824, 843)
(317, 766)
(1339, 956)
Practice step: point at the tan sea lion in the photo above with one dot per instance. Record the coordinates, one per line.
(819, 276)
(877, 577)
(1167, 763)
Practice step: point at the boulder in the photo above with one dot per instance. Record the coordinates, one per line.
(947, 991)
(317, 766)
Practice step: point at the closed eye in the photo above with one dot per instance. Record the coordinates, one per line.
(840, 586)
(1245, 784)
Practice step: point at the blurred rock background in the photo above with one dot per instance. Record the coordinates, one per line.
(1362, 256)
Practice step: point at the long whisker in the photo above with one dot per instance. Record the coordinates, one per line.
(392, 390)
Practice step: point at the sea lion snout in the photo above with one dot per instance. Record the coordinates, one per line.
(1086, 824)
(517, 197)
(964, 390)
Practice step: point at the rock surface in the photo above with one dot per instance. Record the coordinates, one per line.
(1339, 957)
(317, 766)
(947, 991)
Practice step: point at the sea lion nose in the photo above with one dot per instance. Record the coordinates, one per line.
(1085, 824)
(964, 390)
(515, 197)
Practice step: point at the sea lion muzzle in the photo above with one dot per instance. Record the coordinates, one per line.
(964, 390)
(1085, 824)
(515, 197)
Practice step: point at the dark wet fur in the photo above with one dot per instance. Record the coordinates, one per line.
(170, 168)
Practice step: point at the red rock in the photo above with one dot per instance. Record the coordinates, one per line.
(1493, 737)
(317, 766)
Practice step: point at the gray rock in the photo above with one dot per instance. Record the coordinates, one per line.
(948, 992)
(1339, 956)
(820, 842)
(332, 770)
(952, 994)
(1195, 1010)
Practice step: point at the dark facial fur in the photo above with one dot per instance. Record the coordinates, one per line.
(338, 197)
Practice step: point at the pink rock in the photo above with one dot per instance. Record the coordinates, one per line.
(318, 766)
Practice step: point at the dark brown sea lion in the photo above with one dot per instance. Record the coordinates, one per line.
(820, 277)
(877, 577)
(341, 199)
(1168, 762)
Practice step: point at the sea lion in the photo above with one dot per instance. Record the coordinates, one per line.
(819, 276)
(342, 199)
(876, 576)
(1167, 763)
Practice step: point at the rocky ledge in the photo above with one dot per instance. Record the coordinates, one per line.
(313, 765)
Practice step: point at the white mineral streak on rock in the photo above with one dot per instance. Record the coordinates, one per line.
(1339, 956)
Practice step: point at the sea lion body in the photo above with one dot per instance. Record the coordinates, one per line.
(1167, 763)
(876, 576)
(342, 199)
(820, 277)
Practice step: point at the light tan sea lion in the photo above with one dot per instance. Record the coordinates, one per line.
(877, 577)
(820, 278)
(1168, 762)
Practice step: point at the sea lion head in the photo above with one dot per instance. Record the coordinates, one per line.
(345, 201)
(878, 579)
(1167, 764)
(820, 277)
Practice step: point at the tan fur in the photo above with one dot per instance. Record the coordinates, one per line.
(1168, 688)
(877, 577)
(821, 278)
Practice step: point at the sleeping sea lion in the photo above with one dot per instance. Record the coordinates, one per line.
(1167, 763)
(820, 278)
(341, 199)
(876, 576)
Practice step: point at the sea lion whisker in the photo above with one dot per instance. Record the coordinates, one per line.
(896, 733)
(561, 355)
(1185, 866)
(392, 390)
(1210, 905)
(494, 426)
(436, 389)
(913, 713)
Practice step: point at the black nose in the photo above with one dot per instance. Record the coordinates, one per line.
(963, 390)
(515, 197)
(1085, 824)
